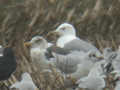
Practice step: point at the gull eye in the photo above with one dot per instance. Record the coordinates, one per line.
(92, 55)
(39, 40)
(63, 28)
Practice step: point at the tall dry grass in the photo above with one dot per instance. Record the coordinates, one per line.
(97, 21)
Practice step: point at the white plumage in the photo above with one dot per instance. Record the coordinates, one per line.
(94, 80)
(25, 84)
(37, 52)
(92, 83)
(69, 41)
(117, 87)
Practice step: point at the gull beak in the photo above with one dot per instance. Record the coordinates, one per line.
(53, 36)
(27, 44)
(100, 57)
(57, 32)
(36, 89)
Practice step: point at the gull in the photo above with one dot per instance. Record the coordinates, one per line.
(85, 65)
(38, 46)
(7, 63)
(70, 42)
(94, 80)
(25, 84)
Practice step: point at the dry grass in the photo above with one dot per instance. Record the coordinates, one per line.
(97, 21)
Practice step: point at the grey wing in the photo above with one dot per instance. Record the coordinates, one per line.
(78, 44)
(57, 50)
(67, 63)
(74, 45)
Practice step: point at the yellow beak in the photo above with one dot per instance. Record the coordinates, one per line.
(100, 57)
(36, 89)
(27, 44)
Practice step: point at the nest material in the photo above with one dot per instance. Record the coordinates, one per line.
(20, 20)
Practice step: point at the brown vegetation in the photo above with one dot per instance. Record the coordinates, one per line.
(97, 21)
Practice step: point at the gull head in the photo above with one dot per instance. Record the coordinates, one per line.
(109, 54)
(66, 29)
(93, 56)
(107, 50)
(37, 42)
